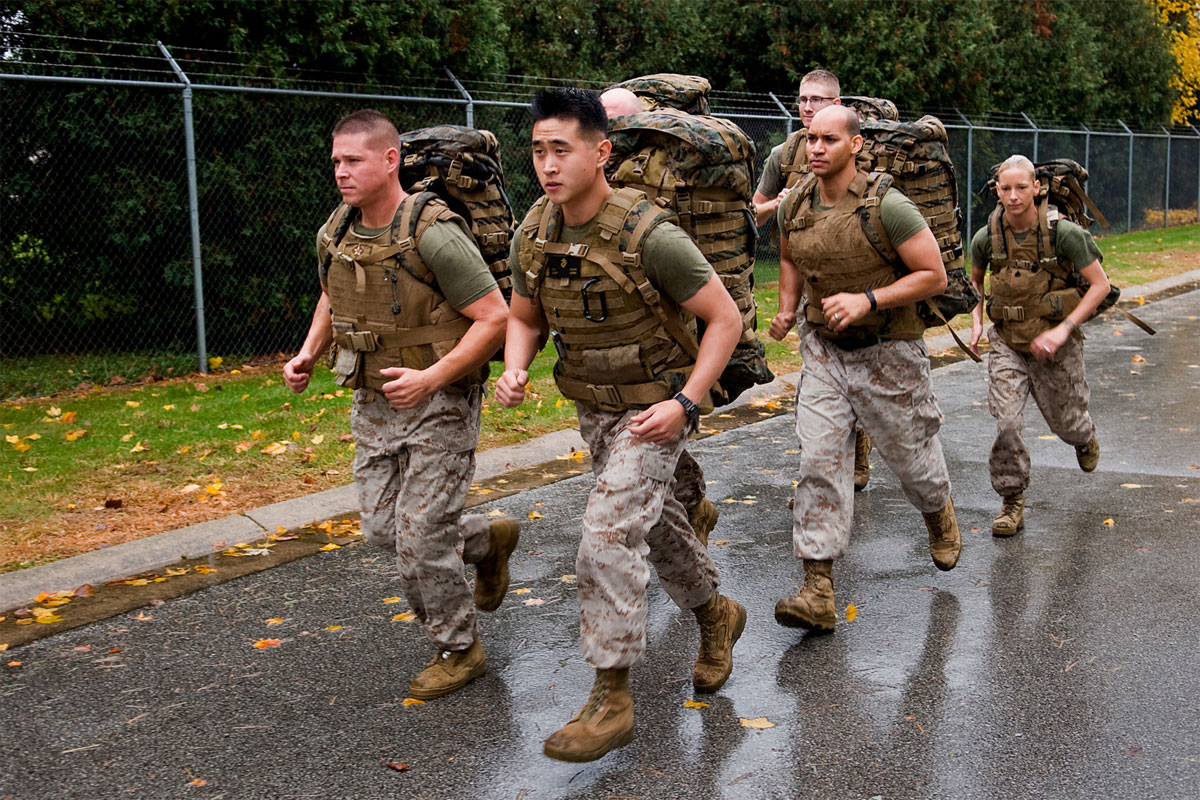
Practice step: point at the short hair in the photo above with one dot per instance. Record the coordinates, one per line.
(1017, 161)
(372, 122)
(619, 101)
(581, 105)
(848, 116)
(823, 76)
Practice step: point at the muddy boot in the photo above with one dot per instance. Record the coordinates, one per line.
(703, 518)
(1012, 516)
(862, 459)
(1088, 455)
(812, 607)
(721, 623)
(944, 540)
(605, 723)
(491, 582)
(449, 671)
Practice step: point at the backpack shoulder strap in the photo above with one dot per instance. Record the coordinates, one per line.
(335, 230)
(541, 225)
(871, 216)
(797, 206)
(996, 232)
(793, 160)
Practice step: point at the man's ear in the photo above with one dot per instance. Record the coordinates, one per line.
(856, 144)
(391, 157)
(603, 151)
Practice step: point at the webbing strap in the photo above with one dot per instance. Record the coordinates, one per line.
(629, 394)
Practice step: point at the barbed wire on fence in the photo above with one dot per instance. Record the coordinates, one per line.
(122, 200)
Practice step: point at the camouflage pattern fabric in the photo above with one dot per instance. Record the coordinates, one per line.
(689, 481)
(413, 474)
(670, 90)
(885, 389)
(1062, 181)
(632, 520)
(871, 108)
(1060, 389)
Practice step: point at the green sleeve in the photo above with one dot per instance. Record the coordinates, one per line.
(514, 264)
(900, 217)
(981, 249)
(320, 273)
(1074, 243)
(673, 262)
(771, 181)
(455, 262)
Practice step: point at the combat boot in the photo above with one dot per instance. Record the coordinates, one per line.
(449, 671)
(491, 581)
(862, 459)
(605, 723)
(1088, 455)
(812, 607)
(721, 624)
(944, 540)
(1012, 516)
(703, 518)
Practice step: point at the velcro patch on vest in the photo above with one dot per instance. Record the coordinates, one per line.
(564, 266)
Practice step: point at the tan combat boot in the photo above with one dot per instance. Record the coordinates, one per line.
(862, 459)
(944, 540)
(1012, 516)
(1088, 455)
(605, 723)
(703, 518)
(812, 607)
(449, 671)
(721, 624)
(491, 582)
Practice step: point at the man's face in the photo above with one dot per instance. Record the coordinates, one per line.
(815, 95)
(829, 146)
(1016, 189)
(566, 162)
(362, 169)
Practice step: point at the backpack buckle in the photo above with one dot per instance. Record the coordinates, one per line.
(360, 341)
(605, 395)
(1012, 313)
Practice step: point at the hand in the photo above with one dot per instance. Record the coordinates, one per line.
(780, 326)
(410, 387)
(660, 423)
(510, 388)
(1046, 345)
(844, 309)
(976, 333)
(298, 372)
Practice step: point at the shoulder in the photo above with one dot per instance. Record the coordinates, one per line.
(896, 203)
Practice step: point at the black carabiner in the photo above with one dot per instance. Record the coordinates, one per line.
(587, 310)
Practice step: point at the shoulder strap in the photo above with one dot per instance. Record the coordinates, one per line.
(996, 232)
(542, 222)
(871, 216)
(335, 229)
(798, 203)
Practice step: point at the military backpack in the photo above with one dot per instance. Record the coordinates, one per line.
(702, 168)
(669, 90)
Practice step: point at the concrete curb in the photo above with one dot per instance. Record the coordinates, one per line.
(154, 552)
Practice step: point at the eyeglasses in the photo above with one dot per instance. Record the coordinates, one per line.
(803, 100)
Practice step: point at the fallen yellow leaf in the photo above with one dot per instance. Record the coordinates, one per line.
(34, 436)
(567, 578)
(695, 704)
(535, 515)
(132, 403)
(758, 723)
(169, 407)
(318, 439)
(53, 411)
(48, 618)
(139, 447)
(213, 488)
(1110, 521)
(1138, 359)
(274, 620)
(851, 612)
(522, 591)
(204, 569)
(183, 449)
(333, 628)
(332, 546)
(407, 616)
(262, 644)
(12, 439)
(71, 436)
(391, 599)
(411, 701)
(275, 448)
(258, 435)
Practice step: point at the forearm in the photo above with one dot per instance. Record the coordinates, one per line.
(720, 337)
(477, 345)
(764, 209)
(977, 276)
(521, 343)
(320, 330)
(1092, 298)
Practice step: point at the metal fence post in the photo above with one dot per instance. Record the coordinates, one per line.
(787, 114)
(1197, 132)
(1035, 135)
(1167, 188)
(467, 96)
(1128, 181)
(193, 210)
(1087, 147)
(970, 173)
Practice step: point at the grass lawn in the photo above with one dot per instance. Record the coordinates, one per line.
(104, 465)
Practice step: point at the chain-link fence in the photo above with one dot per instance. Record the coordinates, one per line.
(176, 215)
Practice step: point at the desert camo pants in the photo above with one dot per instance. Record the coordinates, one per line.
(885, 389)
(1060, 389)
(632, 520)
(412, 483)
(689, 481)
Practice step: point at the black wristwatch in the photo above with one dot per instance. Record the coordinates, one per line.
(690, 409)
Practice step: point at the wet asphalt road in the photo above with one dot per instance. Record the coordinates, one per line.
(1060, 663)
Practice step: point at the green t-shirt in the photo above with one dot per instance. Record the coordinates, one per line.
(771, 182)
(1070, 241)
(451, 255)
(899, 216)
(673, 263)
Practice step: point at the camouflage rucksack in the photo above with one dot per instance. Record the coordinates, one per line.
(462, 166)
(702, 168)
(871, 108)
(668, 90)
(917, 156)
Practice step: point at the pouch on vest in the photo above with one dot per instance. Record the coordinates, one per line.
(347, 365)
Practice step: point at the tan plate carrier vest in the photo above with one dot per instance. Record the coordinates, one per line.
(834, 255)
(1029, 282)
(793, 163)
(621, 345)
(386, 305)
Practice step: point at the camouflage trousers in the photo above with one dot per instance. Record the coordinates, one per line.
(412, 489)
(689, 481)
(1060, 389)
(633, 519)
(885, 389)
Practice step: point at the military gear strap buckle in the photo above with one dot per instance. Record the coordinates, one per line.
(1012, 313)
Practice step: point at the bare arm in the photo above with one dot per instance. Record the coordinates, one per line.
(790, 284)
(1047, 343)
(488, 316)
(977, 275)
(526, 329)
(298, 371)
(766, 207)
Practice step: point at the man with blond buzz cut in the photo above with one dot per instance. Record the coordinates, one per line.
(618, 287)
(414, 328)
(865, 360)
